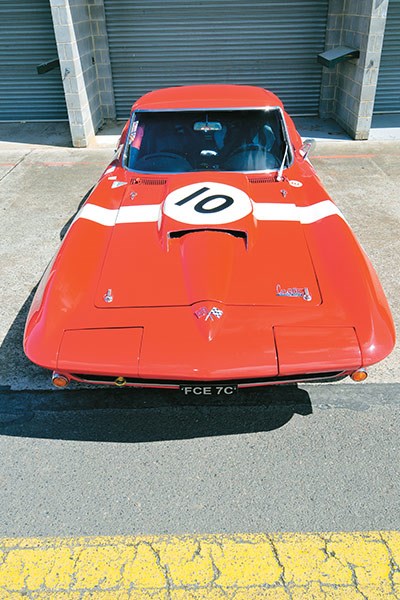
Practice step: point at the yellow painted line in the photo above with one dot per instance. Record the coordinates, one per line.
(287, 566)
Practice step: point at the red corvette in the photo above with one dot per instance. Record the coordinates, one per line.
(209, 258)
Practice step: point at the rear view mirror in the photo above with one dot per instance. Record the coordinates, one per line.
(306, 148)
(207, 126)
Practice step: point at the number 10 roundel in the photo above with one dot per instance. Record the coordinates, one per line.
(207, 203)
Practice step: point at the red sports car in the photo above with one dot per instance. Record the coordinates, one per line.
(209, 258)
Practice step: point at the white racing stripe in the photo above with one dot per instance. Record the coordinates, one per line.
(290, 212)
(127, 214)
(139, 214)
(316, 212)
(98, 214)
(262, 211)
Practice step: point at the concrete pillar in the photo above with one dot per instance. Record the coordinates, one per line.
(102, 58)
(348, 90)
(79, 27)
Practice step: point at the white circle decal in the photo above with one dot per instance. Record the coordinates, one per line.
(295, 183)
(207, 203)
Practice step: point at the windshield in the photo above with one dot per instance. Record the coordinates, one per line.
(219, 140)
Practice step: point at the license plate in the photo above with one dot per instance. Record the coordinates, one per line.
(209, 390)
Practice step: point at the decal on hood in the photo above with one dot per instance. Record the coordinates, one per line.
(294, 292)
(117, 184)
(203, 312)
(207, 203)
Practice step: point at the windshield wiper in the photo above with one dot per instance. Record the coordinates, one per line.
(279, 176)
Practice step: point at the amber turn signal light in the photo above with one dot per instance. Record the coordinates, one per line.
(359, 375)
(59, 380)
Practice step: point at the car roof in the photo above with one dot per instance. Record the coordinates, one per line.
(207, 96)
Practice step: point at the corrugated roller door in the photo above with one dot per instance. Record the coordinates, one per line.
(27, 40)
(387, 99)
(274, 44)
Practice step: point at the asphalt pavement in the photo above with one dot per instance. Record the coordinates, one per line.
(109, 462)
(318, 458)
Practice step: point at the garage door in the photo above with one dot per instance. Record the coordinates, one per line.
(274, 44)
(387, 98)
(27, 40)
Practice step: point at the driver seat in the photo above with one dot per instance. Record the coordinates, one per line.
(255, 154)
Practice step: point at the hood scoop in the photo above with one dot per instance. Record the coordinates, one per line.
(180, 233)
(208, 257)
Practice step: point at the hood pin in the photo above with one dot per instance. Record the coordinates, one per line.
(108, 297)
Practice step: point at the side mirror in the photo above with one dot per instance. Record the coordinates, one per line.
(306, 148)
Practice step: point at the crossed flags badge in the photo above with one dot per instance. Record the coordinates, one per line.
(209, 314)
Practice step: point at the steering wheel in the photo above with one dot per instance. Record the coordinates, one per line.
(249, 148)
(154, 155)
(170, 162)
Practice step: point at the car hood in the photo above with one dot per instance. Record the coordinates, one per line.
(218, 237)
